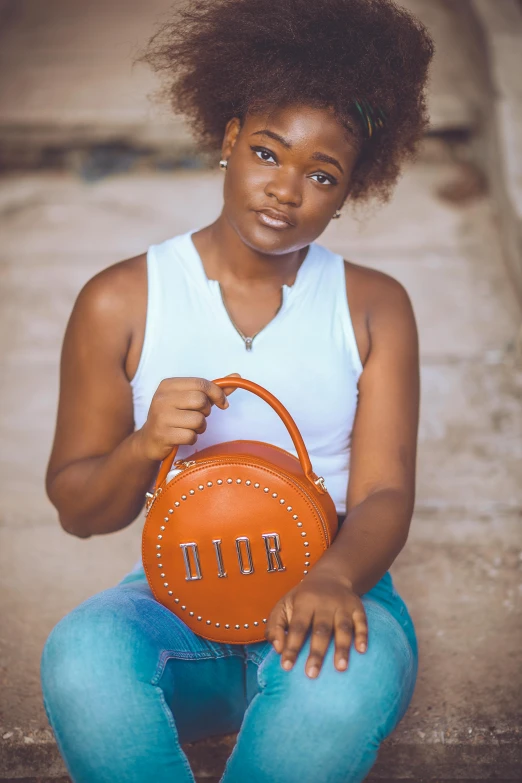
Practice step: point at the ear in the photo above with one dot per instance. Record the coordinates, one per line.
(232, 130)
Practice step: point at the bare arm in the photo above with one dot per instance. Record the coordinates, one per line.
(100, 469)
(381, 489)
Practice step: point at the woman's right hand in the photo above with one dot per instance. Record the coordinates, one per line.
(177, 414)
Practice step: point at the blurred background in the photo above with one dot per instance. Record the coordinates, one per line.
(93, 171)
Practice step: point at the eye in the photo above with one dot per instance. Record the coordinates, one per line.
(263, 154)
(324, 179)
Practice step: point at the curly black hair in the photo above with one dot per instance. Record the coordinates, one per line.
(223, 58)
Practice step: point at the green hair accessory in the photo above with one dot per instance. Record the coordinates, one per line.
(372, 119)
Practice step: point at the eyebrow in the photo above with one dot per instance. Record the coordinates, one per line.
(322, 156)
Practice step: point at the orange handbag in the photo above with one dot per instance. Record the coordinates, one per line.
(236, 528)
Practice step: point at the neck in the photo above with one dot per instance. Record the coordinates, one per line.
(228, 259)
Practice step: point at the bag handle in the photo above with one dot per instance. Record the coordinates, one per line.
(291, 426)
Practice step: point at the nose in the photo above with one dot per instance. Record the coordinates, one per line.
(285, 187)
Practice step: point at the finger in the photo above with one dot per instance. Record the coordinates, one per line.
(360, 622)
(343, 631)
(276, 627)
(189, 419)
(298, 628)
(192, 400)
(229, 389)
(322, 627)
(214, 392)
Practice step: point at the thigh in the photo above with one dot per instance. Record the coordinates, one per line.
(125, 682)
(330, 728)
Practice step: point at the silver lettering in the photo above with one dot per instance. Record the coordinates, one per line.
(240, 555)
(272, 552)
(184, 547)
(219, 557)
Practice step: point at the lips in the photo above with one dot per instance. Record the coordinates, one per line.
(276, 215)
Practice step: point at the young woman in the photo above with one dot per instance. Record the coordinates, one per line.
(310, 104)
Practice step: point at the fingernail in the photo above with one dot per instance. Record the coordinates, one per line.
(343, 663)
(287, 665)
(313, 671)
(362, 647)
(227, 404)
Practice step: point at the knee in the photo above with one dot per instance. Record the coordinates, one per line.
(372, 694)
(84, 649)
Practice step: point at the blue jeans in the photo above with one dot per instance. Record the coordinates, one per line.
(126, 683)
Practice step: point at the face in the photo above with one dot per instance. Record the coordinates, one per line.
(288, 172)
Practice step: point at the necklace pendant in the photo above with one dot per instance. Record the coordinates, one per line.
(248, 343)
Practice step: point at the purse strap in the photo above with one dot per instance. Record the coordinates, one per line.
(291, 426)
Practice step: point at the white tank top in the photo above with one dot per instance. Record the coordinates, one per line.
(306, 356)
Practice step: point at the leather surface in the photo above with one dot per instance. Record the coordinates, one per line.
(256, 522)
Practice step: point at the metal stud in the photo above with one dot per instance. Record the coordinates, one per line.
(160, 565)
(246, 625)
(256, 486)
(209, 483)
(191, 614)
(274, 494)
(305, 543)
(282, 501)
(220, 481)
(295, 516)
(160, 536)
(176, 503)
(307, 554)
(192, 492)
(248, 483)
(170, 592)
(200, 486)
(266, 489)
(238, 481)
(255, 622)
(165, 584)
(307, 562)
(199, 617)
(303, 533)
(238, 626)
(176, 600)
(158, 554)
(299, 524)
(227, 625)
(305, 572)
(217, 625)
(162, 527)
(289, 508)
(162, 574)
(209, 622)
(158, 546)
(171, 510)
(166, 519)
(183, 607)
(264, 619)
(183, 497)
(229, 481)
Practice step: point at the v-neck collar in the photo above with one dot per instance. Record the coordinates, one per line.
(213, 285)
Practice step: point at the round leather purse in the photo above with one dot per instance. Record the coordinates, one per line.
(234, 529)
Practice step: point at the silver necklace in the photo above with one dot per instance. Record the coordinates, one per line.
(247, 340)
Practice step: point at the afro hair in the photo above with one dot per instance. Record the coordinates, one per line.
(223, 58)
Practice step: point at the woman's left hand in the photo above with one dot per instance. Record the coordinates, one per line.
(328, 604)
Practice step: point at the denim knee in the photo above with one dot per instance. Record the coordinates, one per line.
(373, 693)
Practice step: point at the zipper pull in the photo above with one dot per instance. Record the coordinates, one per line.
(248, 343)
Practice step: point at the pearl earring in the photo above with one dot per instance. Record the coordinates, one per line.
(337, 214)
(223, 163)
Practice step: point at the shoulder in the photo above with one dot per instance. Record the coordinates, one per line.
(116, 295)
(377, 293)
(111, 307)
(381, 309)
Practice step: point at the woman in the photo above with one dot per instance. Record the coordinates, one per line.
(310, 105)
